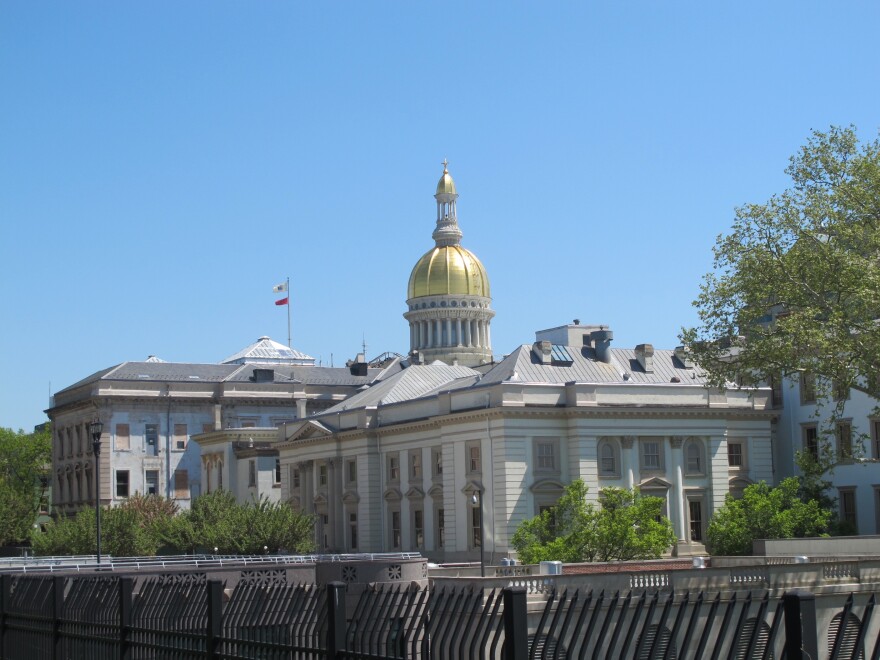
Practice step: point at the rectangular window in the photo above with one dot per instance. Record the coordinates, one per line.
(353, 530)
(151, 436)
(151, 482)
(441, 528)
(181, 484)
(294, 478)
(734, 454)
(122, 483)
(848, 509)
(651, 457)
(181, 436)
(415, 464)
(419, 529)
(123, 437)
(474, 458)
(811, 440)
(395, 529)
(776, 390)
(808, 388)
(875, 437)
(325, 526)
(546, 456)
(476, 536)
(695, 509)
(844, 440)
(277, 476)
(394, 467)
(252, 473)
(351, 473)
(322, 474)
(436, 462)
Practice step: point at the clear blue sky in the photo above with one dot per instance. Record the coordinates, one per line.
(163, 164)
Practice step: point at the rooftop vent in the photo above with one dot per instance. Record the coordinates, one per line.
(601, 340)
(645, 356)
(358, 366)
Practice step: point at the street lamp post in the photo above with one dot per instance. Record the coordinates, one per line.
(96, 428)
(477, 499)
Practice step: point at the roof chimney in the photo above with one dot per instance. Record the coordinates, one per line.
(684, 356)
(601, 340)
(543, 351)
(645, 356)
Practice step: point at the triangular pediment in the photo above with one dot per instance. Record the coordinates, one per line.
(350, 497)
(392, 495)
(320, 498)
(309, 429)
(472, 487)
(436, 492)
(415, 493)
(655, 483)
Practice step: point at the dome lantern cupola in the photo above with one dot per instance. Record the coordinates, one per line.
(448, 293)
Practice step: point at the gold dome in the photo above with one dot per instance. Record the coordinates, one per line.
(448, 270)
(446, 185)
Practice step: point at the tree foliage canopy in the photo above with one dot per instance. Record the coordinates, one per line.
(764, 512)
(147, 525)
(627, 525)
(796, 282)
(24, 464)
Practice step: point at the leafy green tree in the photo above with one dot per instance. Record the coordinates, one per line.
(144, 525)
(796, 282)
(24, 465)
(765, 512)
(626, 525)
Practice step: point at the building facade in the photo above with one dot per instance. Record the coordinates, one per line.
(151, 410)
(809, 418)
(410, 462)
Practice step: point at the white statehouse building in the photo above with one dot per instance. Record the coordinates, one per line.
(411, 460)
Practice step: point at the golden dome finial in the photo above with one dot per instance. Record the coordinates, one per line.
(445, 164)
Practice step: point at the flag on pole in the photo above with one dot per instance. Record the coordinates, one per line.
(279, 288)
(283, 301)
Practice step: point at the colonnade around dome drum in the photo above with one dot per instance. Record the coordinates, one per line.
(450, 332)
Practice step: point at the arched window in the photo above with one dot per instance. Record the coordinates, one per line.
(694, 459)
(609, 459)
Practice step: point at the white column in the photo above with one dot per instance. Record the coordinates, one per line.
(677, 505)
(488, 334)
(430, 334)
(628, 450)
(458, 341)
(448, 324)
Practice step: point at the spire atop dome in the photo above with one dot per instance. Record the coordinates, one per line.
(447, 231)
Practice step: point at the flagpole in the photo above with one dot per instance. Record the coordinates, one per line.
(289, 345)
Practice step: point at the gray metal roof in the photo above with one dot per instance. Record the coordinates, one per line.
(267, 351)
(172, 371)
(523, 366)
(412, 383)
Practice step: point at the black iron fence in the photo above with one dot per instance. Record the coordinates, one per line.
(94, 618)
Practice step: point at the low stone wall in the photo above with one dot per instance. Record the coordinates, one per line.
(819, 546)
